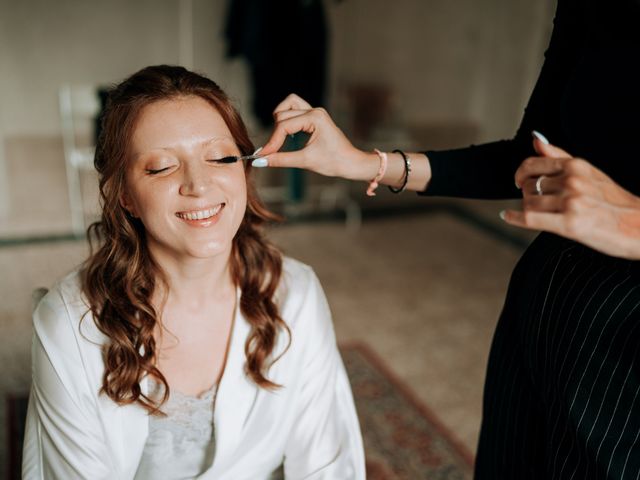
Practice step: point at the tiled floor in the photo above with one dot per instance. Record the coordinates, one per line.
(423, 290)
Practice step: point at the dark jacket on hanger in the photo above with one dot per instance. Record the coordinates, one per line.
(285, 44)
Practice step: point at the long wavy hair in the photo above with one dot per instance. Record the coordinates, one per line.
(120, 275)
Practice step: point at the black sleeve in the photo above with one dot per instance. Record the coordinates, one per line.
(487, 171)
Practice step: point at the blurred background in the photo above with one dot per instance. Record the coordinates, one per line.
(417, 284)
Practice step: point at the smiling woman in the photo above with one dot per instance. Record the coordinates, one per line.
(186, 346)
(178, 186)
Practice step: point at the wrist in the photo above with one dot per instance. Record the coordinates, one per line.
(363, 166)
(419, 172)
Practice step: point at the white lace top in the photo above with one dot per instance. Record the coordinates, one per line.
(182, 444)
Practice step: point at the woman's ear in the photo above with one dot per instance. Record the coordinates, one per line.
(126, 203)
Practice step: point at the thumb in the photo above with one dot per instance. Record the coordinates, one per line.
(546, 149)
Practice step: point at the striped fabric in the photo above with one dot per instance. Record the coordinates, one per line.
(562, 397)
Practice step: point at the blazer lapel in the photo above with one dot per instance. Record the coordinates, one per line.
(236, 395)
(125, 427)
(134, 427)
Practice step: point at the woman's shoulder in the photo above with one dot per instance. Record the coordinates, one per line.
(295, 269)
(297, 279)
(60, 313)
(63, 296)
(300, 295)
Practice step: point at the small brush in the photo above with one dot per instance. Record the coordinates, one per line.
(254, 156)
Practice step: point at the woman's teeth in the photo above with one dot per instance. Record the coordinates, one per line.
(200, 214)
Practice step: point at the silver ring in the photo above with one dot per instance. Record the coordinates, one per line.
(539, 184)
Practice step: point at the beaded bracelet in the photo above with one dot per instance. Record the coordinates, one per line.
(407, 171)
(373, 184)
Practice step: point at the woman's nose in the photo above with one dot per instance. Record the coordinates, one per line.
(195, 182)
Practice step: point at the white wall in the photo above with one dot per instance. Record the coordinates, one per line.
(445, 59)
(45, 43)
(462, 59)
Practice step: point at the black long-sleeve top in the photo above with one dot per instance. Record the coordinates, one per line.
(586, 101)
(562, 393)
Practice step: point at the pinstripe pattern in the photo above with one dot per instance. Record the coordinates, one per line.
(562, 397)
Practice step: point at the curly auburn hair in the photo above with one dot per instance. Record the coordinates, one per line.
(119, 277)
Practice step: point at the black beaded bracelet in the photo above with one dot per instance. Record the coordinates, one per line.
(407, 171)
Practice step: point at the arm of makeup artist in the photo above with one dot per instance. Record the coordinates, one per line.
(329, 152)
(579, 202)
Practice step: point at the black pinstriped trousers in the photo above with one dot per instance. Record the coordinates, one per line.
(562, 395)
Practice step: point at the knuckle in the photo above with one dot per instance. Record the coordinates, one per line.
(319, 113)
(572, 203)
(528, 163)
(558, 164)
(569, 167)
(573, 183)
(575, 165)
(581, 163)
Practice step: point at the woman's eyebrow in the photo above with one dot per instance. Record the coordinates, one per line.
(205, 143)
(225, 139)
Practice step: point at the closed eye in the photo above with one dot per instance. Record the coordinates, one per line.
(154, 172)
(230, 159)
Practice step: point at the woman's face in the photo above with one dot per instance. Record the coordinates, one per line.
(190, 205)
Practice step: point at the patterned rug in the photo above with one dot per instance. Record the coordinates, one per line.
(403, 439)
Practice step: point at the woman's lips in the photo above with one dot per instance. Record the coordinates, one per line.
(201, 218)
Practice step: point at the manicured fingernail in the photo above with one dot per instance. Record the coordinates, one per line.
(503, 214)
(518, 186)
(260, 162)
(257, 150)
(540, 137)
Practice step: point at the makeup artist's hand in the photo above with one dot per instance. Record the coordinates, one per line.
(328, 151)
(576, 200)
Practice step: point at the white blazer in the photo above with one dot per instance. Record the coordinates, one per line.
(310, 423)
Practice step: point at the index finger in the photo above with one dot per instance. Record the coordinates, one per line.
(286, 127)
(292, 102)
